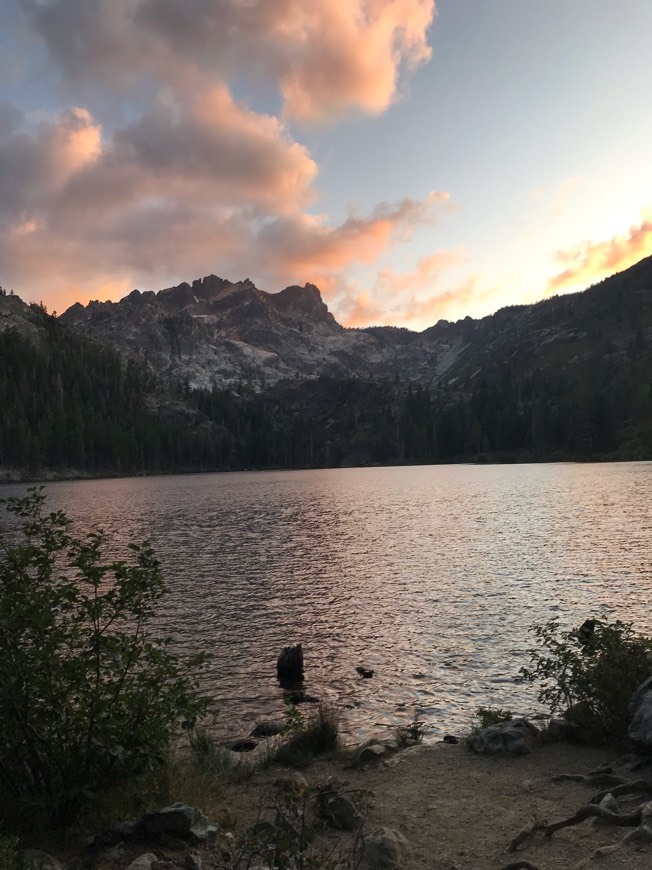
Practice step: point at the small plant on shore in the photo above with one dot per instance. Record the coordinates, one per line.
(315, 735)
(485, 717)
(412, 733)
(89, 698)
(590, 674)
(488, 716)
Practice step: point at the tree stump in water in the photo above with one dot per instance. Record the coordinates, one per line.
(289, 666)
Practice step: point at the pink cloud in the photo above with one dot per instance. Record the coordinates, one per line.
(328, 57)
(589, 262)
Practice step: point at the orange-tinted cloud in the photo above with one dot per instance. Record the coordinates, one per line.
(181, 179)
(327, 57)
(417, 313)
(169, 196)
(428, 270)
(592, 261)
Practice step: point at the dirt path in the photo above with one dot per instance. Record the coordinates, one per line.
(459, 811)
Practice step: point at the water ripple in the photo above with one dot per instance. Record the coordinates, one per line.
(430, 576)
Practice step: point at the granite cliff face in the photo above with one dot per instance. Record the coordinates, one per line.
(215, 333)
(218, 333)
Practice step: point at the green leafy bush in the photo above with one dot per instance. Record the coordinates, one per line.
(591, 675)
(88, 697)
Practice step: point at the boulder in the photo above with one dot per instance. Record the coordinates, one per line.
(370, 753)
(177, 820)
(516, 737)
(341, 812)
(34, 859)
(384, 849)
(143, 862)
(640, 710)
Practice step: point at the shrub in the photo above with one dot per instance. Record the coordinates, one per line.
(593, 673)
(313, 735)
(412, 733)
(88, 697)
(488, 716)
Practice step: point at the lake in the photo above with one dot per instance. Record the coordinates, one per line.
(430, 576)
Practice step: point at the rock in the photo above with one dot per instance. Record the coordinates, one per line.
(289, 665)
(640, 709)
(370, 753)
(341, 812)
(177, 820)
(268, 728)
(610, 803)
(294, 783)
(143, 862)
(366, 673)
(193, 862)
(384, 849)
(132, 830)
(516, 737)
(244, 745)
(34, 859)
(301, 697)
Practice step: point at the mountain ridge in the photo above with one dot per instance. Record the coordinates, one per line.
(214, 333)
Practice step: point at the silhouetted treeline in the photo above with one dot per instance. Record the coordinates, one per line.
(68, 402)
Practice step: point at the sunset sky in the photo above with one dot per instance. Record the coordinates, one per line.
(415, 160)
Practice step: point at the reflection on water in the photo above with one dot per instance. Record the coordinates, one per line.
(430, 576)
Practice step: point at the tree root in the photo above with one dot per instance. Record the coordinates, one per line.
(639, 838)
(629, 787)
(640, 818)
(526, 834)
(597, 778)
(591, 811)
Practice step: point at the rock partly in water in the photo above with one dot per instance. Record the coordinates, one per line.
(289, 665)
(640, 709)
(268, 728)
(516, 737)
(384, 849)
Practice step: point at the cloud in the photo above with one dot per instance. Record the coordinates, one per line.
(328, 57)
(308, 245)
(172, 195)
(160, 174)
(364, 309)
(589, 262)
(428, 270)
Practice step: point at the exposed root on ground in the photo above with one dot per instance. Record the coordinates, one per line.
(639, 818)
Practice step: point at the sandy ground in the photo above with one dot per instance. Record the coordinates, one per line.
(459, 811)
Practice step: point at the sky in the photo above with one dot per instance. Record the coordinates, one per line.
(415, 160)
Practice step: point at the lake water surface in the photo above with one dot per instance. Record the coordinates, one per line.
(429, 575)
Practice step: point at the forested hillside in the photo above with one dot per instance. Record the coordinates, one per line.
(68, 403)
(568, 378)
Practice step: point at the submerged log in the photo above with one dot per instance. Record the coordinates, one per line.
(289, 666)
